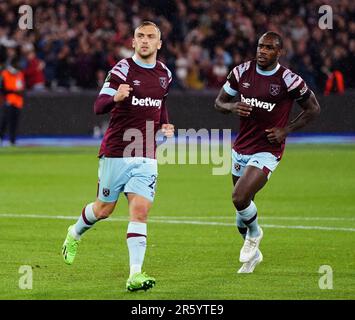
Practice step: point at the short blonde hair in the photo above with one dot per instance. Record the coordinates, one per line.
(148, 23)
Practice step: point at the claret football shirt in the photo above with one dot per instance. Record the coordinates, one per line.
(271, 94)
(144, 111)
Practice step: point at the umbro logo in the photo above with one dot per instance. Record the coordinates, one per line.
(136, 82)
(246, 85)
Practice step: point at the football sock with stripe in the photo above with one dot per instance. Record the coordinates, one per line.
(85, 221)
(242, 227)
(136, 243)
(250, 219)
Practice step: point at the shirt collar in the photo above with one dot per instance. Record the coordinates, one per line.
(142, 64)
(268, 72)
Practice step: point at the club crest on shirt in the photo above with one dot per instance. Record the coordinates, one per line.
(106, 192)
(163, 82)
(275, 89)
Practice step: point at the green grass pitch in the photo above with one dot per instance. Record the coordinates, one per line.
(307, 210)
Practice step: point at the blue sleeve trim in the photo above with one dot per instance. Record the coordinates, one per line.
(109, 91)
(227, 88)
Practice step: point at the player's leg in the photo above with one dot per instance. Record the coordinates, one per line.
(238, 166)
(240, 163)
(247, 267)
(256, 174)
(107, 195)
(140, 191)
(244, 191)
(137, 231)
(247, 186)
(137, 242)
(91, 213)
(241, 226)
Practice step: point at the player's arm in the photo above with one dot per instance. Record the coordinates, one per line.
(106, 102)
(311, 110)
(225, 101)
(166, 127)
(224, 104)
(113, 91)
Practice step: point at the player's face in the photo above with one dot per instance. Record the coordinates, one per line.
(146, 41)
(268, 52)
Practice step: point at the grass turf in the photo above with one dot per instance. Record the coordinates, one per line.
(314, 186)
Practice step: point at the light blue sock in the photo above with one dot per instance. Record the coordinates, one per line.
(242, 227)
(85, 221)
(249, 218)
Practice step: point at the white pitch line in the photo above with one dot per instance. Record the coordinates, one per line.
(263, 225)
(264, 218)
(209, 223)
(308, 227)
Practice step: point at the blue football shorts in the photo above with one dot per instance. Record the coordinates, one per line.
(265, 161)
(129, 175)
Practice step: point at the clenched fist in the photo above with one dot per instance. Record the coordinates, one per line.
(122, 93)
(168, 129)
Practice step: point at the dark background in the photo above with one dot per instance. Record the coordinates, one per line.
(72, 113)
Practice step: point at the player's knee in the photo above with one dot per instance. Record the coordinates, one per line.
(240, 200)
(139, 218)
(103, 211)
(102, 214)
(139, 213)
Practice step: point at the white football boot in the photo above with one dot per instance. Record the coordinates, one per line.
(248, 267)
(250, 247)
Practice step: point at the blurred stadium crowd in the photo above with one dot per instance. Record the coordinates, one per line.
(74, 43)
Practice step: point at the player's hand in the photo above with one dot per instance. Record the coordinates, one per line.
(242, 109)
(276, 135)
(122, 93)
(168, 129)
